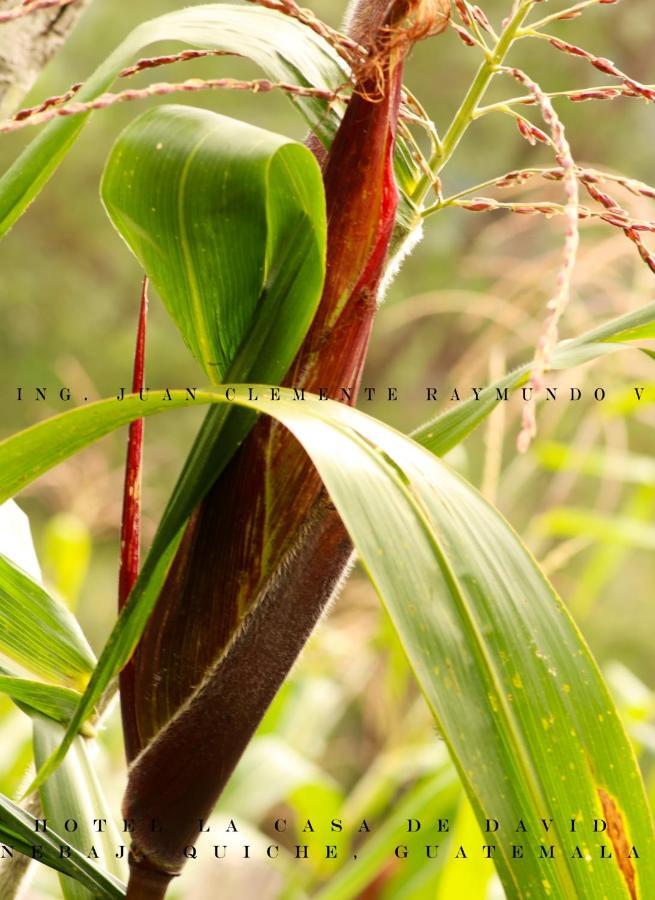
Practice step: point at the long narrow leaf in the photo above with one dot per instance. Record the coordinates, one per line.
(18, 830)
(50, 700)
(74, 788)
(511, 683)
(40, 633)
(450, 428)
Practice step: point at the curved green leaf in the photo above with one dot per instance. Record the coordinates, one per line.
(50, 700)
(283, 48)
(448, 429)
(513, 687)
(18, 831)
(228, 222)
(39, 633)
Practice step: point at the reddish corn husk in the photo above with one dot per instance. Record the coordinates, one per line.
(264, 551)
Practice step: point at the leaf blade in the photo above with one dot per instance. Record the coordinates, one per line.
(297, 54)
(506, 673)
(39, 632)
(50, 700)
(17, 829)
(74, 788)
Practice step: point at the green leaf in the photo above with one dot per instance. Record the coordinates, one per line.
(75, 790)
(514, 690)
(283, 48)
(471, 879)
(50, 700)
(228, 222)
(39, 633)
(18, 831)
(447, 430)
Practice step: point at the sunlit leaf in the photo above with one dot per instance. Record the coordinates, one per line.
(39, 632)
(427, 800)
(50, 700)
(471, 879)
(16, 542)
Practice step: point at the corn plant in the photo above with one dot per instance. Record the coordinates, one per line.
(271, 257)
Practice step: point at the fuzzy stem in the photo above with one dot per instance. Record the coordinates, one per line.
(193, 764)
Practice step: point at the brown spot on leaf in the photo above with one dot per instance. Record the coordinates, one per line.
(619, 839)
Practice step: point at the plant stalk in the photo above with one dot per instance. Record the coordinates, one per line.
(265, 550)
(467, 110)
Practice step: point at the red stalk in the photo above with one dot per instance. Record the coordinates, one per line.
(131, 520)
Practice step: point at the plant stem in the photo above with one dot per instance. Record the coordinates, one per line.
(467, 111)
(557, 16)
(147, 883)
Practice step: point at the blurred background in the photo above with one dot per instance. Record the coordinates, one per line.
(349, 731)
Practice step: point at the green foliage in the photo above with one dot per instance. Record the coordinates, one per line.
(74, 787)
(228, 222)
(295, 54)
(499, 660)
(39, 632)
(18, 828)
(513, 688)
(50, 700)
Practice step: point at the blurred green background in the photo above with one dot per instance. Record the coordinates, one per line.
(349, 729)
